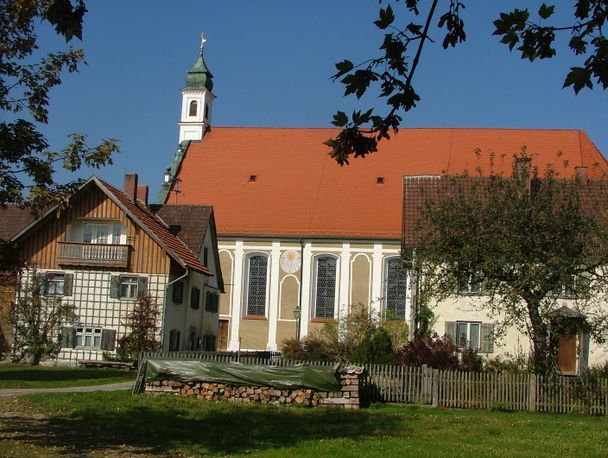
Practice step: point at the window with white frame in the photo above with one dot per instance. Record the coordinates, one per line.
(103, 232)
(193, 110)
(56, 283)
(257, 280)
(468, 334)
(325, 286)
(88, 337)
(472, 285)
(394, 289)
(128, 286)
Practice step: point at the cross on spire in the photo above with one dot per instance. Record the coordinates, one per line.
(203, 41)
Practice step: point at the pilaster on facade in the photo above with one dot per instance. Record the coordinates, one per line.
(273, 312)
(306, 304)
(377, 294)
(237, 286)
(344, 291)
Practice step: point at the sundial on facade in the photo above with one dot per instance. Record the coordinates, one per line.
(290, 261)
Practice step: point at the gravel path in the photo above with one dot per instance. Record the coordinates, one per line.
(71, 389)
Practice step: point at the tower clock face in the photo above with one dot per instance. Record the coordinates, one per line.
(290, 261)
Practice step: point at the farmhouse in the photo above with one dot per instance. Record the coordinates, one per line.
(302, 239)
(106, 248)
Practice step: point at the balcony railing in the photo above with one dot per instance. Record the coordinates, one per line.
(88, 254)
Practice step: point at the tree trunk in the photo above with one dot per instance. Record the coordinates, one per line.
(544, 358)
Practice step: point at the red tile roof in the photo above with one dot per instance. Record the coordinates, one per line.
(157, 228)
(419, 191)
(299, 190)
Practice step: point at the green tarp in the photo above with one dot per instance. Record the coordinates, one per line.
(232, 373)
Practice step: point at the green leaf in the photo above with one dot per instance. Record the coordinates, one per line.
(387, 17)
(578, 78)
(343, 67)
(340, 119)
(546, 11)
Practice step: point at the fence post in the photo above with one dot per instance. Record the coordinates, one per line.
(435, 382)
(532, 393)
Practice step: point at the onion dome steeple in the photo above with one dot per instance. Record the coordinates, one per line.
(199, 76)
(197, 100)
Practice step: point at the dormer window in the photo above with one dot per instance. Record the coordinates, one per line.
(253, 178)
(193, 108)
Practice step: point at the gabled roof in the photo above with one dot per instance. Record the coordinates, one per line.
(421, 190)
(281, 181)
(188, 222)
(156, 228)
(13, 219)
(150, 223)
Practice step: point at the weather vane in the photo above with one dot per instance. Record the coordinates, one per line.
(203, 41)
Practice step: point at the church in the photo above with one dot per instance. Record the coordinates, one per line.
(302, 239)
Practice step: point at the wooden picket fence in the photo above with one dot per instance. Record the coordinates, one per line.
(443, 388)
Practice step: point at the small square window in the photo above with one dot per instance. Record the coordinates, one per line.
(54, 284)
(128, 287)
(252, 178)
(380, 180)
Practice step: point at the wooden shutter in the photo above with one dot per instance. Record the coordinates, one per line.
(450, 330)
(142, 285)
(108, 339)
(68, 281)
(487, 338)
(115, 286)
(42, 283)
(195, 297)
(177, 292)
(67, 337)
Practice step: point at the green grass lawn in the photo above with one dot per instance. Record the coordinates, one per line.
(118, 424)
(23, 376)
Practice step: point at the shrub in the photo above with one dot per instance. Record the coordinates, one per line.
(517, 364)
(434, 351)
(310, 348)
(470, 360)
(375, 348)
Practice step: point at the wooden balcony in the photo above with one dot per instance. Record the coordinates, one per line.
(88, 254)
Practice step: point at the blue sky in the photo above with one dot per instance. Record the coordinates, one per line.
(272, 62)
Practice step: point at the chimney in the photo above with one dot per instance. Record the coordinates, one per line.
(142, 194)
(130, 187)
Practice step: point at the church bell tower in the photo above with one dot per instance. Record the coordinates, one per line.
(197, 100)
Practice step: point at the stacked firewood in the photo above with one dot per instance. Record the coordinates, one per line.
(347, 397)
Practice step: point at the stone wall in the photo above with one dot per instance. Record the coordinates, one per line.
(351, 379)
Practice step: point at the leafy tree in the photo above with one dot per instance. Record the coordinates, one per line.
(27, 165)
(392, 72)
(36, 319)
(529, 240)
(143, 322)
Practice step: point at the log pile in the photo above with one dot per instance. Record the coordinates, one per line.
(347, 397)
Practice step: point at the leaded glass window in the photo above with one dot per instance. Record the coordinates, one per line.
(394, 290)
(325, 298)
(256, 285)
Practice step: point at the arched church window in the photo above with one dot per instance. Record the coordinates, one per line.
(193, 108)
(325, 286)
